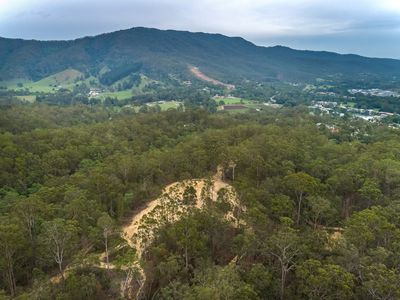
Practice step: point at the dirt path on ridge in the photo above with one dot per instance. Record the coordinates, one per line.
(176, 190)
(196, 72)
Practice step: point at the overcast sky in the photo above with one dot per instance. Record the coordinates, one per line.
(366, 27)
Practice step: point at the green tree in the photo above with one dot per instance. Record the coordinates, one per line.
(213, 283)
(11, 246)
(261, 280)
(379, 282)
(369, 228)
(281, 206)
(300, 184)
(106, 224)
(60, 238)
(324, 281)
(320, 207)
(189, 196)
(346, 182)
(188, 238)
(284, 246)
(370, 192)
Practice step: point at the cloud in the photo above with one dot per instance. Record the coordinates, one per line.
(257, 20)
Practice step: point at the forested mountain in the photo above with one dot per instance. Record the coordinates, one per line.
(160, 53)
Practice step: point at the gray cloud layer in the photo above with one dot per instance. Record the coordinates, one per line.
(367, 27)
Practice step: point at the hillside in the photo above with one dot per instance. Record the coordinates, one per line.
(93, 207)
(160, 53)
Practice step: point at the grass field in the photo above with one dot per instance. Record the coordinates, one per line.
(234, 100)
(50, 84)
(170, 104)
(27, 98)
(119, 95)
(166, 105)
(67, 79)
(15, 84)
(29, 86)
(249, 104)
(126, 94)
(63, 78)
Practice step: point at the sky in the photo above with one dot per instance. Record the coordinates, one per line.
(365, 27)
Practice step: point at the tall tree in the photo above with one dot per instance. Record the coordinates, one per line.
(28, 210)
(300, 184)
(107, 225)
(11, 245)
(284, 246)
(320, 207)
(319, 281)
(379, 282)
(60, 238)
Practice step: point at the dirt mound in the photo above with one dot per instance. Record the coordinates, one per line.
(169, 207)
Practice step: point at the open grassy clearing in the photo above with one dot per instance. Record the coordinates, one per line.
(126, 94)
(238, 105)
(234, 100)
(171, 104)
(67, 79)
(165, 105)
(27, 98)
(119, 95)
(63, 78)
(15, 84)
(29, 86)
(50, 84)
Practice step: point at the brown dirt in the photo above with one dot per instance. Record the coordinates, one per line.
(196, 72)
(175, 190)
(172, 191)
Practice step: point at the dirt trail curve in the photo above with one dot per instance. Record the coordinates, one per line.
(173, 193)
(131, 232)
(175, 190)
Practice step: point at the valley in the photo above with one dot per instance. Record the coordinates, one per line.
(162, 164)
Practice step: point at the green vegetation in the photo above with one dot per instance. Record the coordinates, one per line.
(64, 79)
(320, 217)
(121, 177)
(234, 100)
(161, 54)
(28, 98)
(118, 95)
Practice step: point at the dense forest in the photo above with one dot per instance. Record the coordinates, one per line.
(321, 217)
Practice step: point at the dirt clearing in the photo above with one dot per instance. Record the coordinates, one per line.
(196, 72)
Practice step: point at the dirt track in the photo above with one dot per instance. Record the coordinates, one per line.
(175, 190)
(171, 193)
(196, 72)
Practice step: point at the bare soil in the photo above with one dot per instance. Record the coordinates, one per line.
(196, 72)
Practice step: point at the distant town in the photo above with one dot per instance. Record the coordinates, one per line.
(374, 92)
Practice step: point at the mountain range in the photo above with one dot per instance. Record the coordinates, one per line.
(162, 53)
